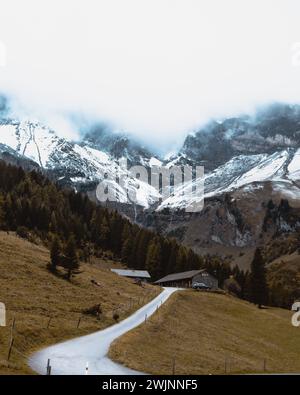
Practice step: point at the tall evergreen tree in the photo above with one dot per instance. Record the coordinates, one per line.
(71, 263)
(132, 259)
(142, 246)
(104, 233)
(87, 251)
(116, 233)
(127, 249)
(181, 260)
(55, 253)
(170, 267)
(246, 287)
(258, 282)
(53, 223)
(153, 260)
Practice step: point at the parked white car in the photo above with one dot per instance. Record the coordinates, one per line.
(197, 285)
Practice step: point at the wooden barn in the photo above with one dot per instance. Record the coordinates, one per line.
(141, 275)
(187, 279)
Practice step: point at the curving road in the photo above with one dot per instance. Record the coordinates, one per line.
(71, 357)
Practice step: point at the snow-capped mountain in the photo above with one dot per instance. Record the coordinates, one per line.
(237, 153)
(270, 130)
(281, 168)
(72, 164)
(118, 145)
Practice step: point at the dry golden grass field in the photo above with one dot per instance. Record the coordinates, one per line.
(33, 295)
(208, 333)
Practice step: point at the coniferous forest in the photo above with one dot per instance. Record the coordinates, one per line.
(64, 220)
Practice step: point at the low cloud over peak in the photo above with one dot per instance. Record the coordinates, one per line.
(155, 68)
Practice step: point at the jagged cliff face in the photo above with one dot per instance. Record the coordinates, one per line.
(232, 224)
(117, 145)
(272, 130)
(221, 222)
(248, 161)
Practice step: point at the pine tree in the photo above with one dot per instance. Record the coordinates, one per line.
(246, 288)
(192, 261)
(270, 205)
(181, 260)
(258, 283)
(127, 250)
(2, 212)
(55, 253)
(94, 226)
(153, 260)
(104, 233)
(298, 241)
(170, 267)
(126, 232)
(143, 241)
(53, 223)
(71, 263)
(116, 233)
(132, 259)
(166, 248)
(87, 251)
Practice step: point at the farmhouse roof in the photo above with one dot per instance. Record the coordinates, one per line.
(180, 276)
(132, 273)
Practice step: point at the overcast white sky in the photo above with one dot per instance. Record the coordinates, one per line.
(157, 68)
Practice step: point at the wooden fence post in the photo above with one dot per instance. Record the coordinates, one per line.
(12, 329)
(145, 318)
(173, 366)
(265, 364)
(10, 348)
(49, 322)
(48, 368)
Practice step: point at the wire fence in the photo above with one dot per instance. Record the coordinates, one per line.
(172, 365)
(175, 364)
(19, 338)
(19, 344)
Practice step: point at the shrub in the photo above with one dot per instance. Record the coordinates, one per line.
(22, 231)
(116, 316)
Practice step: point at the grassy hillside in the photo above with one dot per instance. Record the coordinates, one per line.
(211, 333)
(32, 295)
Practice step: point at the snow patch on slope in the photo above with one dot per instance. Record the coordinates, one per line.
(294, 166)
(240, 171)
(80, 164)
